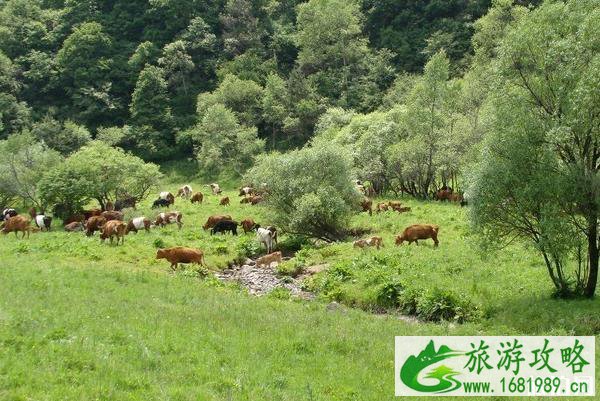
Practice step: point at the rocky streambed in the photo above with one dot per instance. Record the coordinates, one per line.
(262, 280)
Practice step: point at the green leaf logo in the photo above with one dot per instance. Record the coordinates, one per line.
(445, 376)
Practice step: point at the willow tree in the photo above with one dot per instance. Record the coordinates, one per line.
(539, 178)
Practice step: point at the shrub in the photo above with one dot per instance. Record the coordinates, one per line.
(291, 268)
(388, 293)
(439, 305)
(310, 190)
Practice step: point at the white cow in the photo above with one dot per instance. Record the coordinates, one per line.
(265, 237)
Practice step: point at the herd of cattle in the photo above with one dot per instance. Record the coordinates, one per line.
(109, 221)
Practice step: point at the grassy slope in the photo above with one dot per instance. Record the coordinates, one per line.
(80, 320)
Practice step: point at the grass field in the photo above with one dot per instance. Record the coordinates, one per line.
(81, 320)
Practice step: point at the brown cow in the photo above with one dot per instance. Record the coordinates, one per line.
(443, 194)
(248, 225)
(212, 220)
(367, 205)
(114, 228)
(394, 204)
(456, 197)
(94, 223)
(255, 200)
(197, 198)
(419, 231)
(169, 218)
(138, 223)
(224, 201)
(181, 254)
(267, 260)
(75, 218)
(87, 214)
(16, 224)
(74, 226)
(112, 215)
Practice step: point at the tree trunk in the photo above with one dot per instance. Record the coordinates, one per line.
(592, 235)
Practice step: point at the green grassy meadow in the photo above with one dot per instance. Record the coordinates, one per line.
(81, 320)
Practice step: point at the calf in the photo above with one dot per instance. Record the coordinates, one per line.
(255, 200)
(138, 223)
(169, 218)
(197, 198)
(181, 254)
(17, 223)
(160, 203)
(224, 201)
(212, 220)
(74, 226)
(93, 224)
(169, 197)
(246, 191)
(112, 215)
(185, 192)
(43, 222)
(215, 188)
(367, 205)
(114, 228)
(373, 242)
(417, 232)
(8, 213)
(267, 260)
(265, 237)
(224, 226)
(248, 225)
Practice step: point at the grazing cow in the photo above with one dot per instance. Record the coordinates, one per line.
(367, 205)
(267, 260)
(169, 218)
(126, 202)
(87, 214)
(181, 254)
(223, 226)
(215, 188)
(17, 223)
(443, 194)
(166, 195)
(43, 222)
(112, 215)
(224, 201)
(8, 213)
(212, 220)
(138, 223)
(93, 224)
(419, 231)
(185, 192)
(248, 225)
(74, 226)
(246, 191)
(160, 203)
(197, 198)
(273, 233)
(255, 200)
(373, 242)
(114, 228)
(267, 237)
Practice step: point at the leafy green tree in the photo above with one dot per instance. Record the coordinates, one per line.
(22, 166)
(308, 196)
(220, 142)
(241, 96)
(275, 105)
(145, 53)
(177, 65)
(241, 28)
(64, 137)
(150, 111)
(538, 178)
(97, 172)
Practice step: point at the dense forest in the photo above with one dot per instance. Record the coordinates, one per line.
(145, 73)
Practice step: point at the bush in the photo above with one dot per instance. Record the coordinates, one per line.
(310, 190)
(388, 294)
(440, 305)
(290, 268)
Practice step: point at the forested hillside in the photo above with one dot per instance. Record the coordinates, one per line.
(130, 71)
